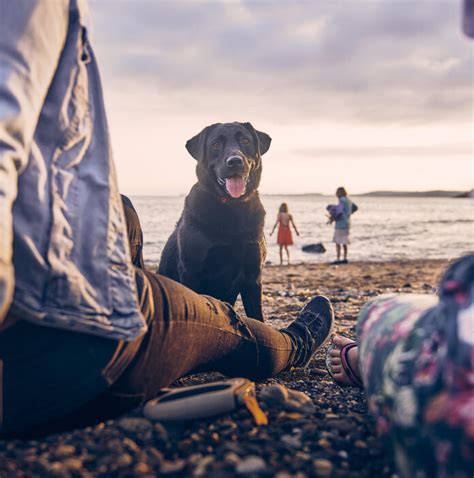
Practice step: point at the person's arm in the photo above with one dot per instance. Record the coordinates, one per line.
(294, 227)
(276, 223)
(32, 36)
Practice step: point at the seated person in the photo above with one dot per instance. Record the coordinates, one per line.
(414, 358)
(85, 335)
(135, 234)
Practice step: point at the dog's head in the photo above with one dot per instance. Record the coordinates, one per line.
(229, 158)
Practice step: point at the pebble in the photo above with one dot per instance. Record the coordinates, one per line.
(322, 467)
(160, 432)
(65, 450)
(324, 443)
(291, 400)
(232, 458)
(201, 468)
(123, 460)
(169, 467)
(73, 464)
(141, 468)
(342, 425)
(283, 474)
(293, 441)
(130, 444)
(135, 425)
(251, 464)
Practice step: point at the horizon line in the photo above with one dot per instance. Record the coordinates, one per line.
(379, 191)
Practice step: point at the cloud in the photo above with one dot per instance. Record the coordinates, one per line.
(387, 82)
(368, 61)
(461, 151)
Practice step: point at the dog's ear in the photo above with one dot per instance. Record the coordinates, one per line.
(263, 140)
(195, 145)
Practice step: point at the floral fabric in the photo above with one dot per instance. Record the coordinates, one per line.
(416, 356)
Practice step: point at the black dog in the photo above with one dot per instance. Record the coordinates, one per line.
(218, 247)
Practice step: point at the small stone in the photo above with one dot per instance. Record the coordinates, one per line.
(251, 464)
(283, 474)
(324, 443)
(124, 460)
(292, 416)
(341, 425)
(407, 286)
(57, 469)
(201, 468)
(360, 444)
(168, 467)
(73, 464)
(322, 467)
(161, 432)
(141, 468)
(232, 458)
(65, 450)
(130, 444)
(114, 446)
(154, 456)
(291, 440)
(134, 425)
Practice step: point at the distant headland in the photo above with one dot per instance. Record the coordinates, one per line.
(424, 194)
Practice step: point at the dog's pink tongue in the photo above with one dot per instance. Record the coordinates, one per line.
(235, 186)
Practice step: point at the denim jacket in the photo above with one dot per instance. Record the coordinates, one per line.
(64, 253)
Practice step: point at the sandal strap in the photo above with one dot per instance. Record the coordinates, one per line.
(351, 374)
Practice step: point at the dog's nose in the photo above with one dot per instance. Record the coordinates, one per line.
(234, 161)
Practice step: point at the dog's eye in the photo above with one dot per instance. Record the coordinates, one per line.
(245, 141)
(216, 145)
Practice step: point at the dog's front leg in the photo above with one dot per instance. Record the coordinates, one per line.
(251, 294)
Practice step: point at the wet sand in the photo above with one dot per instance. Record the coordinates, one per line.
(337, 439)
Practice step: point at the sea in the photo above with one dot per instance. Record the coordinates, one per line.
(383, 228)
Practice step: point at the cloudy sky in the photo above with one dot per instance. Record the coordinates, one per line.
(367, 94)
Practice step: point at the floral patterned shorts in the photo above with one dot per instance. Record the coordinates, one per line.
(416, 356)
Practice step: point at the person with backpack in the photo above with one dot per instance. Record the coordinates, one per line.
(340, 214)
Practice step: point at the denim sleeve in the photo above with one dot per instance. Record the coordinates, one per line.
(32, 36)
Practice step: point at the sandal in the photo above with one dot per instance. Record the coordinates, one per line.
(346, 366)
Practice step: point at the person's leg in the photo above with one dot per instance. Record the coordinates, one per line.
(338, 252)
(415, 359)
(287, 254)
(193, 333)
(344, 247)
(281, 255)
(91, 379)
(49, 373)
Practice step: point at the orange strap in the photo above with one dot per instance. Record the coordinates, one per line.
(254, 408)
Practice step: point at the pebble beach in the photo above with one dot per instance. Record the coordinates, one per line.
(336, 439)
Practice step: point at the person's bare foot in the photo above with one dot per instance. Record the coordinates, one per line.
(338, 372)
